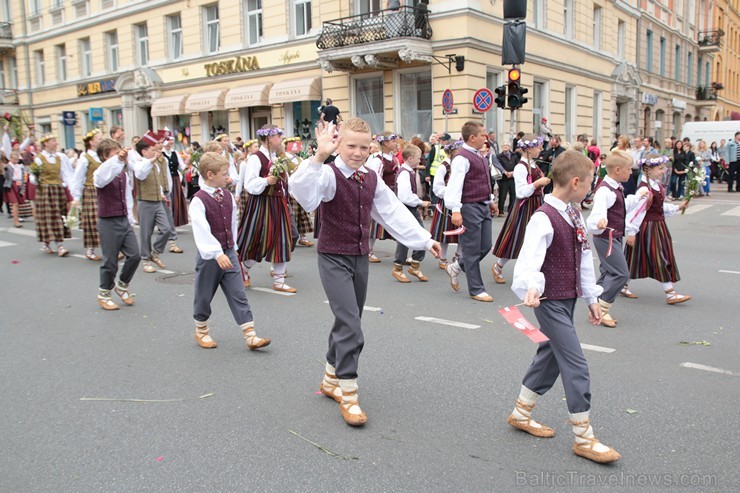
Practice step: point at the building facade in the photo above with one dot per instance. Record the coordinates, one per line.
(202, 67)
(723, 37)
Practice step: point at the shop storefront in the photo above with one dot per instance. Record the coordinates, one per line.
(251, 106)
(300, 100)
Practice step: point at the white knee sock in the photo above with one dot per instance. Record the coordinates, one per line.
(583, 431)
(372, 244)
(443, 249)
(501, 262)
(278, 271)
(528, 398)
(667, 286)
(349, 386)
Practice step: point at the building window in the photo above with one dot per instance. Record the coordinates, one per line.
(597, 27)
(111, 41)
(85, 57)
(253, 22)
(698, 72)
(493, 80)
(6, 12)
(706, 75)
(369, 6)
(2, 74)
(213, 38)
(61, 54)
(368, 101)
(35, 7)
(38, 57)
(538, 105)
(540, 14)
(141, 33)
(107, 4)
(690, 70)
(598, 104)
(174, 26)
(302, 16)
(12, 73)
(677, 64)
(622, 38)
(570, 113)
(568, 11)
(662, 57)
(414, 103)
(649, 58)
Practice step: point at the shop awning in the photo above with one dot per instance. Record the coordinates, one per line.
(170, 105)
(247, 96)
(308, 89)
(206, 101)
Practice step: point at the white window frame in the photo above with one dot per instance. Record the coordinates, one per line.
(211, 27)
(571, 116)
(539, 14)
(598, 108)
(12, 73)
(305, 5)
(397, 93)
(7, 16)
(141, 37)
(174, 36)
(353, 88)
(112, 50)
(86, 65)
(545, 96)
(249, 14)
(598, 26)
(495, 120)
(569, 7)
(61, 55)
(34, 8)
(621, 39)
(2, 74)
(358, 4)
(40, 65)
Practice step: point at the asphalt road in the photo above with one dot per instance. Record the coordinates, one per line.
(437, 396)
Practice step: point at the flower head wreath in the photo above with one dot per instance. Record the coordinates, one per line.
(291, 139)
(250, 143)
(386, 138)
(453, 146)
(269, 132)
(656, 161)
(220, 137)
(89, 135)
(529, 144)
(46, 138)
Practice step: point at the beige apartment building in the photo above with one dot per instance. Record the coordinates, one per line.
(723, 38)
(201, 67)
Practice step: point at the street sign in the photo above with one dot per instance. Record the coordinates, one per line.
(483, 100)
(96, 114)
(69, 118)
(447, 101)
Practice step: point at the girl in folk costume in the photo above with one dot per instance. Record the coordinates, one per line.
(264, 229)
(293, 147)
(15, 175)
(227, 150)
(52, 172)
(241, 195)
(528, 182)
(178, 207)
(385, 165)
(84, 192)
(442, 217)
(650, 252)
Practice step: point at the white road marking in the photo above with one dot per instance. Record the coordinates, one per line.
(163, 271)
(697, 366)
(447, 322)
(730, 272)
(365, 308)
(697, 208)
(271, 291)
(28, 232)
(600, 349)
(6, 243)
(77, 255)
(735, 211)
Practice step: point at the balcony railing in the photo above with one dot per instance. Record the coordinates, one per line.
(8, 96)
(710, 38)
(376, 26)
(6, 32)
(706, 93)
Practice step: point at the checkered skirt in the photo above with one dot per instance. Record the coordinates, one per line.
(51, 205)
(303, 218)
(89, 217)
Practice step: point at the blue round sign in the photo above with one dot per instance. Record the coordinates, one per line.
(447, 101)
(483, 100)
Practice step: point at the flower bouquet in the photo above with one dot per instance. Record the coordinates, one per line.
(279, 169)
(72, 219)
(695, 179)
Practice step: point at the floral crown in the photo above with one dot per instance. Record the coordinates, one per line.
(386, 138)
(269, 132)
(46, 138)
(221, 136)
(454, 145)
(529, 144)
(250, 142)
(656, 161)
(89, 135)
(291, 139)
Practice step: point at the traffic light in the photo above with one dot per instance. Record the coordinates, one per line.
(515, 94)
(522, 92)
(500, 97)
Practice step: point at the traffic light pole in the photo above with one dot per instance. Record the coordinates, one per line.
(512, 125)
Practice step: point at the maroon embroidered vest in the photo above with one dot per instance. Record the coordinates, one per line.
(534, 174)
(412, 179)
(277, 190)
(477, 184)
(562, 265)
(112, 197)
(655, 211)
(389, 171)
(615, 214)
(345, 220)
(218, 215)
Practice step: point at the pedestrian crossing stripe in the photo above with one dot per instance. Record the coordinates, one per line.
(6, 244)
(697, 208)
(735, 211)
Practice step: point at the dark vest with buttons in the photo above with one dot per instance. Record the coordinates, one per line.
(615, 214)
(277, 190)
(534, 175)
(173, 163)
(562, 265)
(412, 179)
(218, 215)
(112, 197)
(655, 211)
(477, 184)
(345, 220)
(389, 171)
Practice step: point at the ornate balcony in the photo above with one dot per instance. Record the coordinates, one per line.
(706, 95)
(8, 97)
(6, 36)
(710, 41)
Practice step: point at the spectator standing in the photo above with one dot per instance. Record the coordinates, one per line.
(733, 159)
(704, 156)
(330, 113)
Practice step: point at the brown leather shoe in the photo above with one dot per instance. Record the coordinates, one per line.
(92, 256)
(498, 275)
(121, 256)
(262, 342)
(453, 270)
(248, 282)
(627, 294)
(373, 259)
(62, 252)
(108, 304)
(203, 338)
(587, 451)
(525, 424)
(149, 268)
(398, 274)
(282, 287)
(126, 297)
(415, 271)
(330, 390)
(345, 406)
(304, 242)
(483, 297)
(174, 248)
(676, 298)
(158, 261)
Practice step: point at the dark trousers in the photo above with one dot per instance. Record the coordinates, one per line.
(732, 176)
(506, 187)
(476, 243)
(170, 218)
(208, 277)
(151, 214)
(677, 185)
(402, 251)
(561, 355)
(614, 269)
(630, 186)
(117, 235)
(344, 278)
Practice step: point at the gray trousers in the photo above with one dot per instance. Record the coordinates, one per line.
(344, 278)
(476, 243)
(614, 269)
(562, 354)
(208, 277)
(402, 251)
(170, 218)
(117, 235)
(151, 214)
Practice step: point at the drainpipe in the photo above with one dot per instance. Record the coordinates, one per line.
(28, 61)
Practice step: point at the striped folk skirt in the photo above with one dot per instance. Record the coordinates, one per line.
(178, 203)
(441, 222)
(376, 230)
(31, 189)
(51, 205)
(511, 237)
(264, 230)
(89, 217)
(652, 256)
(302, 218)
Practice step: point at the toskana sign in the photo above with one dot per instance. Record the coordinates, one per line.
(236, 65)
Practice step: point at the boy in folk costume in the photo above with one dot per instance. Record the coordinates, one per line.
(114, 182)
(151, 185)
(442, 216)
(469, 197)
(177, 208)
(649, 252)
(265, 229)
(556, 263)
(385, 166)
(15, 176)
(529, 183)
(213, 214)
(85, 193)
(349, 195)
(406, 191)
(53, 173)
(607, 223)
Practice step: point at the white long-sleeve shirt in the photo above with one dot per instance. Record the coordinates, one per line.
(458, 169)
(537, 239)
(251, 179)
(635, 218)
(313, 183)
(438, 185)
(233, 171)
(208, 246)
(142, 167)
(375, 163)
(66, 171)
(7, 145)
(521, 176)
(107, 172)
(80, 174)
(403, 188)
(604, 199)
